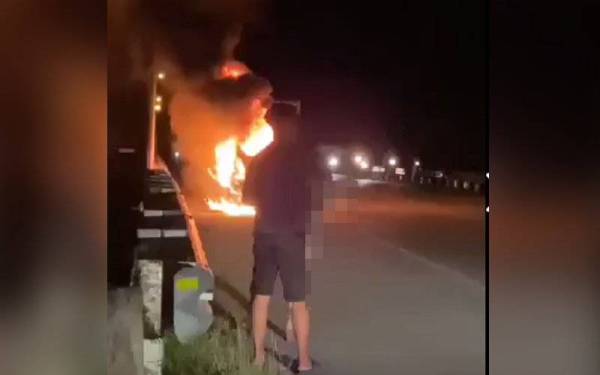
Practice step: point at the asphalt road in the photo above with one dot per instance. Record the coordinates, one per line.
(396, 287)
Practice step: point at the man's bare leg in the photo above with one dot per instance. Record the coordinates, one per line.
(301, 319)
(289, 327)
(260, 314)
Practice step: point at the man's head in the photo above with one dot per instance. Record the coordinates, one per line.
(285, 122)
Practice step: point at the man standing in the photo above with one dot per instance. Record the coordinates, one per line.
(277, 184)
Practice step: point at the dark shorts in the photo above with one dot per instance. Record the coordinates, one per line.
(283, 254)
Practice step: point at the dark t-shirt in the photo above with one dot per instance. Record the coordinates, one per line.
(278, 184)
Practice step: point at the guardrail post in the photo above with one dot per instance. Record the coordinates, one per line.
(192, 314)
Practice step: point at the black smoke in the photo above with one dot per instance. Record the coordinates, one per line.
(234, 90)
(197, 36)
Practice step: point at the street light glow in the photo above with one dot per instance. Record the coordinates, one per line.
(358, 158)
(417, 163)
(159, 99)
(157, 107)
(177, 154)
(392, 161)
(333, 162)
(161, 75)
(364, 164)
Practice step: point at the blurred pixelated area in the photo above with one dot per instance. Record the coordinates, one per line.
(53, 228)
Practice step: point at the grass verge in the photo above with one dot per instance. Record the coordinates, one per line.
(226, 349)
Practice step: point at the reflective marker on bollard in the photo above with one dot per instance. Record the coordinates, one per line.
(192, 313)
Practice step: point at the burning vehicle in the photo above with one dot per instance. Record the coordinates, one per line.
(233, 154)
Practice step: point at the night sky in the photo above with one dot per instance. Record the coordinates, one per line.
(409, 75)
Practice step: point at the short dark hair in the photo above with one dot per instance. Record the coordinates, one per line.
(282, 111)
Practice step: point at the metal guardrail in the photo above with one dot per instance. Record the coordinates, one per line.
(193, 286)
(469, 182)
(172, 268)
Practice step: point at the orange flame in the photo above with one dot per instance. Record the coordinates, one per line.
(229, 170)
(231, 208)
(261, 135)
(234, 70)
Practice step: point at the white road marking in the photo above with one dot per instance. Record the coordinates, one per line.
(157, 213)
(158, 233)
(174, 233)
(153, 213)
(148, 233)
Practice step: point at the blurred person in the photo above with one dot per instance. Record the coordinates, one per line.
(278, 184)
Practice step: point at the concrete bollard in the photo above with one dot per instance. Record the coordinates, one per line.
(192, 313)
